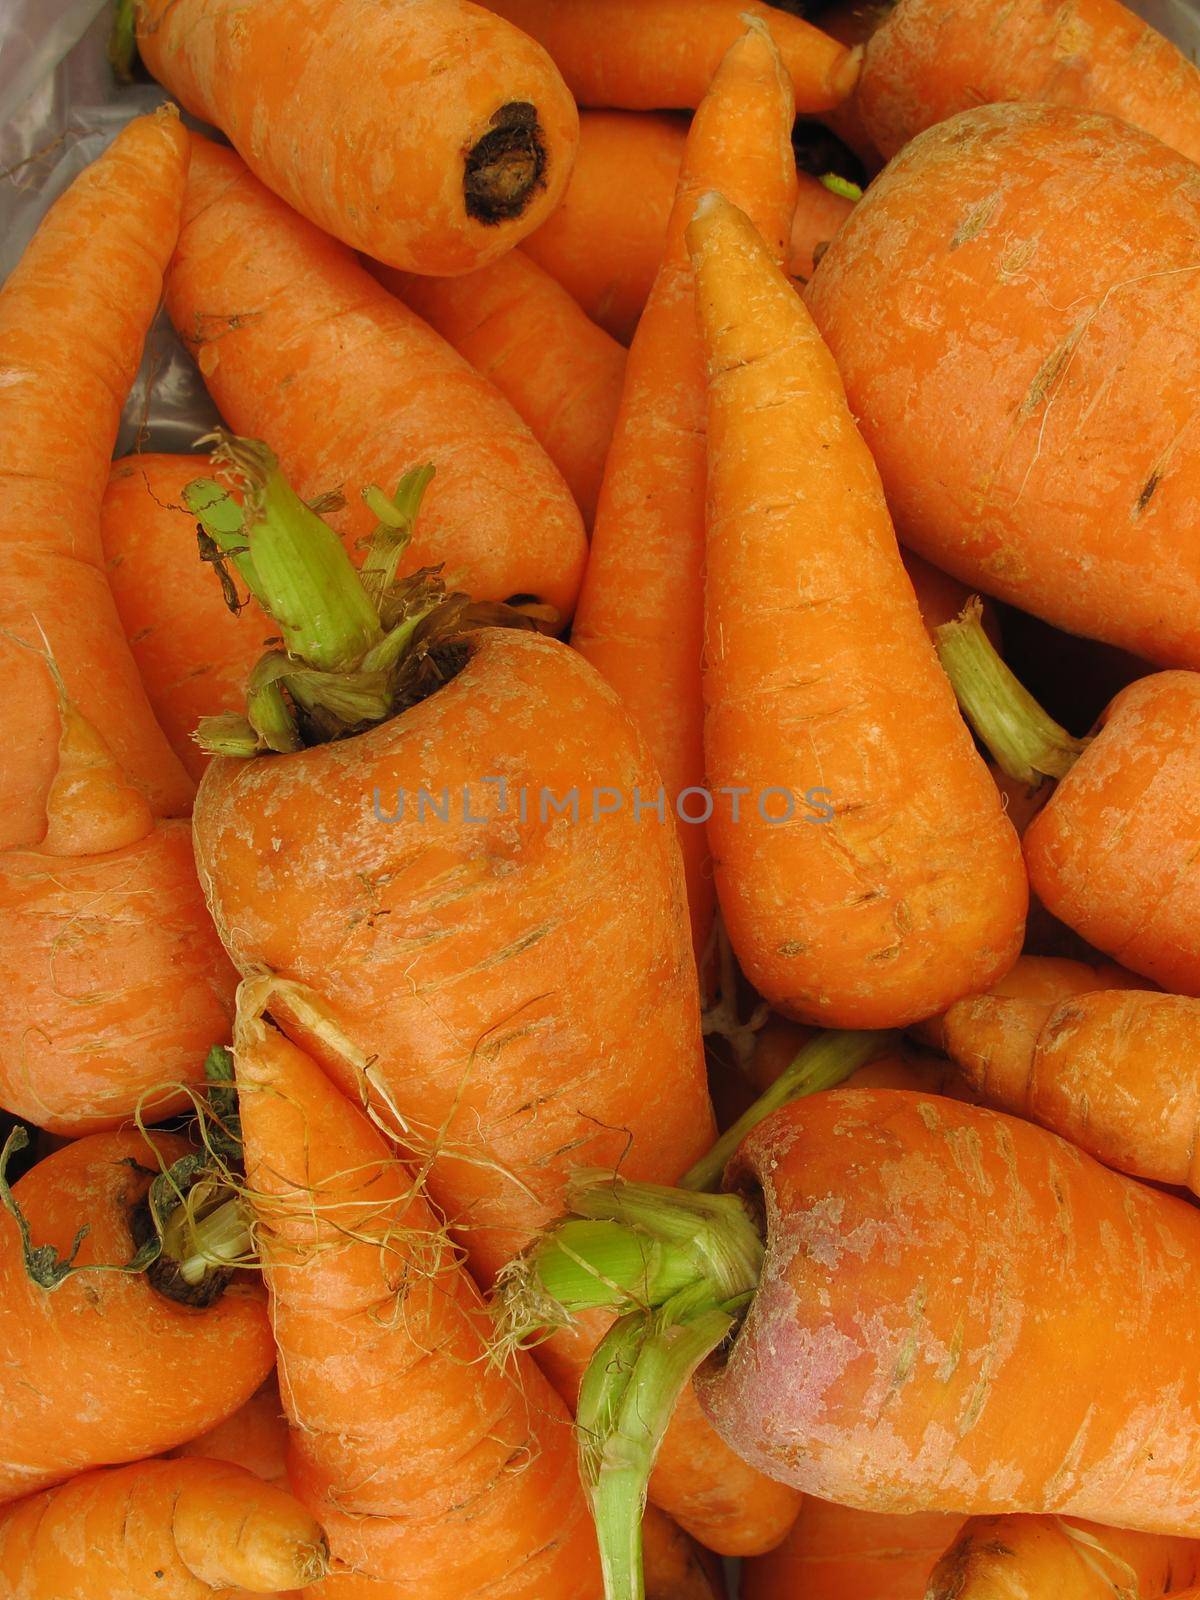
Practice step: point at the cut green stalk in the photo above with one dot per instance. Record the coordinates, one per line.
(842, 186)
(1026, 743)
(823, 1063)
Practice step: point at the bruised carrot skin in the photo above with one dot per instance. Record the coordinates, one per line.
(193, 654)
(299, 346)
(1024, 1558)
(177, 1529)
(1075, 235)
(72, 325)
(909, 895)
(969, 1265)
(377, 124)
(103, 1368)
(837, 1553)
(518, 327)
(931, 58)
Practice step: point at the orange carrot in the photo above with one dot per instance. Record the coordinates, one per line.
(675, 1567)
(299, 345)
(522, 330)
(176, 1529)
(647, 55)
(398, 1418)
(431, 135)
(931, 58)
(72, 323)
(852, 22)
(896, 896)
(645, 635)
(1025, 1558)
(255, 1437)
(819, 214)
(100, 1366)
(836, 1553)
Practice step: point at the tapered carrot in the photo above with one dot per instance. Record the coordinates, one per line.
(645, 636)
(929, 59)
(647, 55)
(818, 671)
(73, 317)
(525, 333)
(1024, 1558)
(398, 1418)
(104, 1367)
(837, 1553)
(431, 135)
(182, 1530)
(299, 345)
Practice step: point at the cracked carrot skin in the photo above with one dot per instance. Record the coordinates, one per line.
(818, 670)
(181, 1530)
(104, 1369)
(72, 325)
(648, 55)
(367, 117)
(1015, 258)
(299, 346)
(929, 59)
(1113, 1071)
(934, 1271)
(430, 1467)
(837, 1553)
(1025, 1558)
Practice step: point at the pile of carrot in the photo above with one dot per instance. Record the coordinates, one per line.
(599, 897)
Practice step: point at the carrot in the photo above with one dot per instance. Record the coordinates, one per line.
(646, 636)
(299, 345)
(522, 330)
(192, 653)
(72, 324)
(929, 59)
(819, 214)
(1111, 849)
(676, 1568)
(897, 895)
(1023, 1557)
(1021, 467)
(113, 983)
(1113, 1071)
(647, 55)
(852, 22)
(431, 135)
(102, 1366)
(398, 1419)
(836, 1553)
(179, 1529)
(255, 1437)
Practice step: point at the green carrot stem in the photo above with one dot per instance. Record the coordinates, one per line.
(841, 186)
(1026, 743)
(122, 40)
(823, 1063)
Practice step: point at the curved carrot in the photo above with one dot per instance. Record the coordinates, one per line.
(931, 58)
(837, 1553)
(906, 896)
(73, 317)
(1021, 467)
(104, 1368)
(176, 1529)
(522, 330)
(645, 635)
(431, 135)
(647, 55)
(299, 345)
(1021, 1558)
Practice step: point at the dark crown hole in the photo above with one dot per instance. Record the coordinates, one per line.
(506, 168)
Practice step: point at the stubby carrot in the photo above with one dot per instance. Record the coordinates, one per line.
(1016, 462)
(301, 347)
(102, 1366)
(648, 55)
(837, 1553)
(522, 330)
(897, 895)
(646, 635)
(928, 59)
(182, 1530)
(73, 317)
(431, 135)
(1024, 1558)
